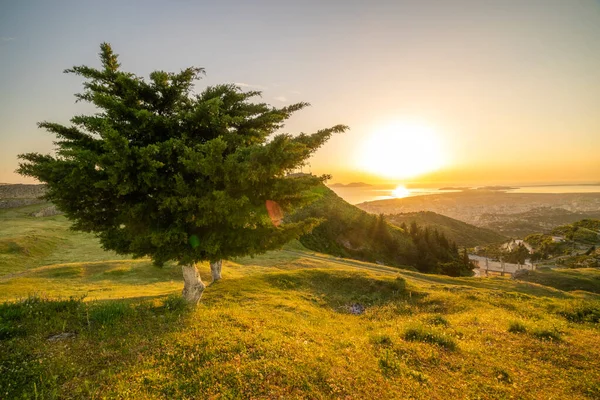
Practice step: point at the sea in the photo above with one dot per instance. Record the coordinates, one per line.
(356, 195)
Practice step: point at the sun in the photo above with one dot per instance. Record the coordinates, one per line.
(402, 150)
(400, 192)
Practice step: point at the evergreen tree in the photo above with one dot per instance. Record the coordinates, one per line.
(162, 172)
(414, 229)
(404, 227)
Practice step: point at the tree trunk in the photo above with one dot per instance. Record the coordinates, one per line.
(192, 284)
(215, 269)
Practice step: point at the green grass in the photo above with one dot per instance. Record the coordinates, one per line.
(585, 279)
(278, 326)
(28, 242)
(420, 333)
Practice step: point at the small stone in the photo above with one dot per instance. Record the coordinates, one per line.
(357, 309)
(62, 336)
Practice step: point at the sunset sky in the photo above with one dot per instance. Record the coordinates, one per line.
(450, 91)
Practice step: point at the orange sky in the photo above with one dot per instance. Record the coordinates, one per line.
(510, 88)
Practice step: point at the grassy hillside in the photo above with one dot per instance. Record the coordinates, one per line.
(347, 231)
(28, 242)
(586, 279)
(461, 233)
(279, 326)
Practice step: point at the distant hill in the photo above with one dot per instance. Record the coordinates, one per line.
(350, 185)
(511, 214)
(460, 232)
(541, 219)
(350, 232)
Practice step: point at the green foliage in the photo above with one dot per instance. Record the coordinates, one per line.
(280, 328)
(158, 165)
(517, 255)
(175, 303)
(108, 313)
(580, 311)
(588, 228)
(436, 254)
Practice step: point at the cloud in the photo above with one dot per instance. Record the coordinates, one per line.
(6, 39)
(295, 92)
(281, 98)
(249, 85)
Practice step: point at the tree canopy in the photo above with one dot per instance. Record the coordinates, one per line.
(164, 172)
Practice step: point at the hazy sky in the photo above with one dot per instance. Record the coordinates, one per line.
(511, 88)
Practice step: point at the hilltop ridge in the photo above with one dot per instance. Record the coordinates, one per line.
(462, 233)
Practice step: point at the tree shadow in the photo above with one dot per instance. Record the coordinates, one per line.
(492, 283)
(336, 288)
(122, 271)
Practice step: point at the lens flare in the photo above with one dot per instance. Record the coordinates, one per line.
(194, 241)
(274, 211)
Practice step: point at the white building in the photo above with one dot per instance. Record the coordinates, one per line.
(515, 243)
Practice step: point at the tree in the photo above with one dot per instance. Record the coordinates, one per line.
(161, 172)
